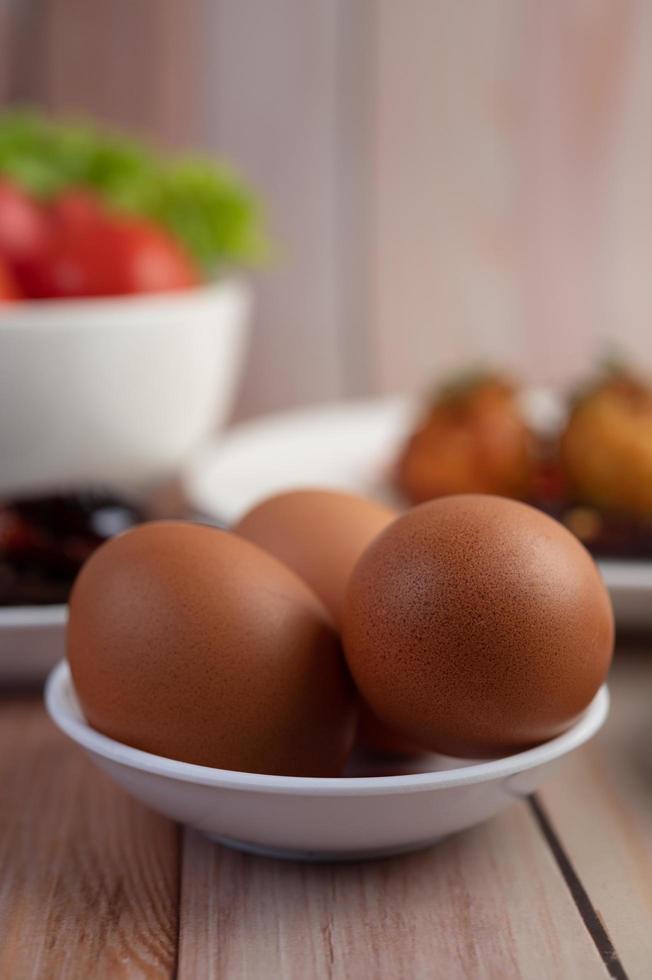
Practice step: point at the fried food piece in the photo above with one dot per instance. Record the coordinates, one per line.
(473, 440)
(606, 449)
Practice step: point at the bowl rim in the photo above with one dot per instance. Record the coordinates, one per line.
(61, 702)
(33, 617)
(31, 314)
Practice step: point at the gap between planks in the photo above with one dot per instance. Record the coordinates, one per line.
(490, 903)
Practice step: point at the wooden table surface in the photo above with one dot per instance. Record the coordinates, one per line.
(93, 885)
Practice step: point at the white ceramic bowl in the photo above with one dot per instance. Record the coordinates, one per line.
(116, 390)
(320, 819)
(32, 640)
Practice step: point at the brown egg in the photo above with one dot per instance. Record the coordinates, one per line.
(320, 534)
(193, 644)
(477, 626)
(375, 736)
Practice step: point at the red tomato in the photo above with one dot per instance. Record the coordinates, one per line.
(76, 207)
(23, 225)
(148, 260)
(109, 256)
(9, 290)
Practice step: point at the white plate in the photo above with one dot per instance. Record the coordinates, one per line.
(320, 819)
(345, 446)
(32, 641)
(350, 446)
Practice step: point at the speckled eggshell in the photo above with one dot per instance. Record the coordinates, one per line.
(319, 534)
(477, 626)
(191, 643)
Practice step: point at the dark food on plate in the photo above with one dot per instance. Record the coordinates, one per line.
(194, 644)
(595, 476)
(605, 534)
(44, 541)
(477, 626)
(472, 440)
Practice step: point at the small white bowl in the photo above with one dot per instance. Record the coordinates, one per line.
(116, 390)
(32, 641)
(320, 819)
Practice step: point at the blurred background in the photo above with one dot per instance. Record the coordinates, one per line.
(445, 182)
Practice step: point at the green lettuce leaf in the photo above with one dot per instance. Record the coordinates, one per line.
(203, 203)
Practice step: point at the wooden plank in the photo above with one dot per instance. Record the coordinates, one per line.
(443, 289)
(6, 50)
(25, 58)
(88, 877)
(130, 62)
(489, 903)
(511, 174)
(275, 106)
(601, 809)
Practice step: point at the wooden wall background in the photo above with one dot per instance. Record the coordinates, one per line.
(448, 181)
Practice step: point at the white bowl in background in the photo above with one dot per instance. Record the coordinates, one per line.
(116, 390)
(347, 818)
(32, 640)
